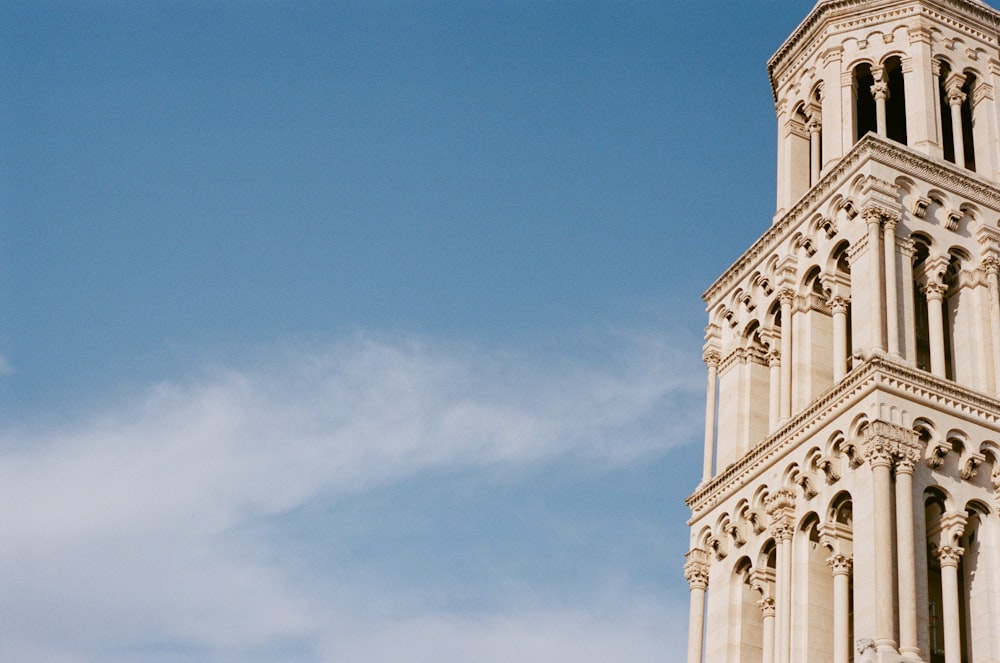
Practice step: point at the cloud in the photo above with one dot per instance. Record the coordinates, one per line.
(119, 530)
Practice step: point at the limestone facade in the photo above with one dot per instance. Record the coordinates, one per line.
(850, 491)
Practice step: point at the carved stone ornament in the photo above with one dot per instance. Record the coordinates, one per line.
(696, 569)
(952, 218)
(971, 466)
(949, 555)
(781, 508)
(840, 564)
(936, 453)
(920, 206)
(734, 532)
(808, 491)
(825, 465)
(880, 90)
(766, 606)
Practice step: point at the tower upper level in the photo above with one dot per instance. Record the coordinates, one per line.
(914, 71)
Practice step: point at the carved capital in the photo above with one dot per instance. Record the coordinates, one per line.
(711, 357)
(837, 304)
(991, 265)
(781, 508)
(814, 126)
(880, 91)
(934, 290)
(696, 568)
(956, 97)
(840, 564)
(766, 606)
(786, 296)
(886, 442)
(949, 555)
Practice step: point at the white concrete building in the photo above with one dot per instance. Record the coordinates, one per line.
(848, 508)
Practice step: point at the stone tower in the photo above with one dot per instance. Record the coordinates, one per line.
(848, 507)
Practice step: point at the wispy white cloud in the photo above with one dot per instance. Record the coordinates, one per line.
(115, 528)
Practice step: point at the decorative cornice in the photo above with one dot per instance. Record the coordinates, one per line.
(964, 183)
(876, 373)
(835, 15)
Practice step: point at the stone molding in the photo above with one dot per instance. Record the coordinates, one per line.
(979, 21)
(963, 183)
(875, 373)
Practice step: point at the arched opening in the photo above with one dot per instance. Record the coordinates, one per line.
(864, 103)
(934, 510)
(920, 318)
(817, 624)
(967, 128)
(748, 619)
(895, 106)
(954, 86)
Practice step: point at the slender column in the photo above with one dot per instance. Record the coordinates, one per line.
(905, 551)
(781, 509)
(839, 307)
(881, 92)
(992, 266)
(873, 218)
(711, 358)
(814, 128)
(955, 99)
(936, 86)
(774, 387)
(786, 296)
(841, 566)
(891, 286)
(784, 592)
(935, 324)
(881, 463)
(906, 250)
(696, 573)
(949, 556)
(767, 610)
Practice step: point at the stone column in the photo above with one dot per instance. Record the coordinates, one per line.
(935, 326)
(878, 451)
(841, 566)
(891, 286)
(992, 266)
(767, 610)
(774, 390)
(781, 508)
(786, 296)
(906, 250)
(881, 92)
(948, 556)
(711, 358)
(936, 87)
(814, 128)
(955, 99)
(908, 454)
(839, 307)
(696, 573)
(873, 218)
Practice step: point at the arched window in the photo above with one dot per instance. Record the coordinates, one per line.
(864, 102)
(956, 89)
(895, 105)
(920, 319)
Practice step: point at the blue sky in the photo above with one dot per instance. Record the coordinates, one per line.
(364, 331)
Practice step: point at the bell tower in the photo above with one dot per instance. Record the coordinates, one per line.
(848, 505)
